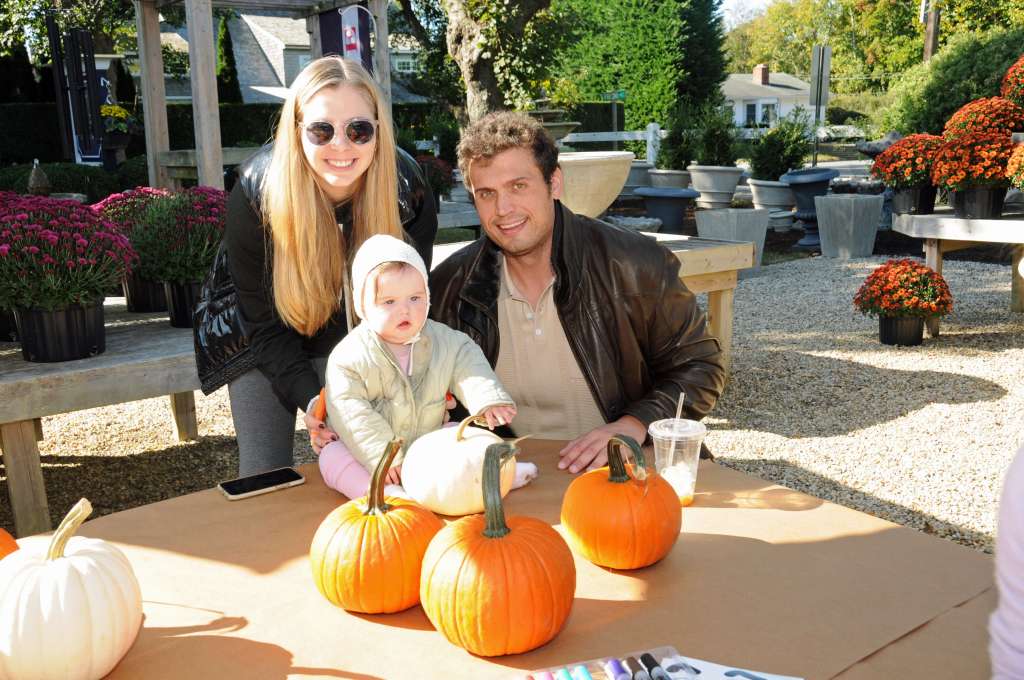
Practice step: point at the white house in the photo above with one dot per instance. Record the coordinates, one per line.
(763, 97)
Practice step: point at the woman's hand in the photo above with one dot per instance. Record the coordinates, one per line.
(394, 475)
(499, 415)
(319, 434)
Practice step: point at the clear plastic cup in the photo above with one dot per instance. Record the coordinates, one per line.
(677, 452)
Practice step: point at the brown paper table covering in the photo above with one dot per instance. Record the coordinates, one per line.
(762, 577)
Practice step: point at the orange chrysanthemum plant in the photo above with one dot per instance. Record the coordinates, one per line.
(976, 159)
(1013, 82)
(1015, 167)
(908, 162)
(904, 288)
(992, 114)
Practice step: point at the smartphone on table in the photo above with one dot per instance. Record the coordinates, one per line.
(264, 482)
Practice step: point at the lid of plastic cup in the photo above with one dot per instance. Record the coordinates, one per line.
(674, 428)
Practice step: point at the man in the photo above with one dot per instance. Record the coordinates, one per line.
(587, 325)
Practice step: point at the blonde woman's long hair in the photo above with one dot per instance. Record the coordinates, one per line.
(310, 256)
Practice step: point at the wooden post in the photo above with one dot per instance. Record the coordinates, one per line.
(381, 53)
(25, 485)
(183, 408)
(1017, 284)
(205, 109)
(931, 32)
(933, 259)
(653, 142)
(316, 47)
(154, 100)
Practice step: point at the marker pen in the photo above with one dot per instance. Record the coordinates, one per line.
(616, 671)
(581, 673)
(651, 664)
(562, 674)
(636, 669)
(543, 675)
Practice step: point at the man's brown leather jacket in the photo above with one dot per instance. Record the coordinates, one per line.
(635, 330)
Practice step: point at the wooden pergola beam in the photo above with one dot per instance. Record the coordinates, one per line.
(154, 99)
(205, 108)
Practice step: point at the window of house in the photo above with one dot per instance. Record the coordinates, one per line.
(405, 64)
(769, 114)
(751, 118)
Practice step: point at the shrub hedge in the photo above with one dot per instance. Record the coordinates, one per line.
(968, 67)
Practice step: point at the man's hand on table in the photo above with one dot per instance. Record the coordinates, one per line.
(590, 451)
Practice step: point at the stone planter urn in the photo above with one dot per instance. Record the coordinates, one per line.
(716, 184)
(736, 224)
(806, 184)
(668, 205)
(639, 176)
(670, 179)
(780, 220)
(771, 195)
(592, 179)
(848, 224)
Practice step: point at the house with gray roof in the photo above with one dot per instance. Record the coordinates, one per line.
(270, 50)
(763, 97)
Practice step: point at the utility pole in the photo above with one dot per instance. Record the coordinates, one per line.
(930, 16)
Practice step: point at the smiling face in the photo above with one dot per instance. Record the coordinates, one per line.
(339, 165)
(515, 204)
(397, 310)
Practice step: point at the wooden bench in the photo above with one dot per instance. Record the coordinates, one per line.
(145, 358)
(943, 232)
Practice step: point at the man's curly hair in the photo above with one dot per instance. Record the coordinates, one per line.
(504, 130)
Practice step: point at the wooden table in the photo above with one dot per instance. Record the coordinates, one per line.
(762, 577)
(145, 358)
(706, 266)
(943, 232)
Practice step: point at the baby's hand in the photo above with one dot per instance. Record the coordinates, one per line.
(499, 415)
(394, 475)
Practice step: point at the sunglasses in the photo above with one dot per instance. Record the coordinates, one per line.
(358, 131)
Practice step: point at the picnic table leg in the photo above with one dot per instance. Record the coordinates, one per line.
(24, 477)
(183, 406)
(1017, 285)
(720, 321)
(933, 258)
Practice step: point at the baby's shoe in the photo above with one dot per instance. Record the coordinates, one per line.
(525, 473)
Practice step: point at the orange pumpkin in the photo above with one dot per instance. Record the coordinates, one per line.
(494, 587)
(366, 554)
(7, 544)
(621, 517)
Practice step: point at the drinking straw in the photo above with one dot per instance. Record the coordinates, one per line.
(679, 405)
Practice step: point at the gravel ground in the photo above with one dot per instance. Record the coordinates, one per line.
(920, 436)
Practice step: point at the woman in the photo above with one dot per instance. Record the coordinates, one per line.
(1006, 626)
(278, 298)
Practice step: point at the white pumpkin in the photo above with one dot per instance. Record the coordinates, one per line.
(69, 612)
(443, 470)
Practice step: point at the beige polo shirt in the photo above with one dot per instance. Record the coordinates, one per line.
(537, 367)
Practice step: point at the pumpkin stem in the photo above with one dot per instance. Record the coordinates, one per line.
(617, 465)
(479, 420)
(375, 504)
(67, 529)
(494, 512)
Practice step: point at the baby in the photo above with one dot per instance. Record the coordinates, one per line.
(390, 375)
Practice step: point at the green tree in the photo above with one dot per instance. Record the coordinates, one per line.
(700, 56)
(971, 65)
(228, 89)
(425, 22)
(23, 22)
(625, 44)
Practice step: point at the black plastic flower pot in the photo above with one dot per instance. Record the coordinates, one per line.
(142, 295)
(181, 302)
(914, 200)
(978, 203)
(75, 332)
(901, 330)
(8, 327)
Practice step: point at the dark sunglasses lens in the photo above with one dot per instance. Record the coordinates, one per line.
(359, 131)
(319, 133)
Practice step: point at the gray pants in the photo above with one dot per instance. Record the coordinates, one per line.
(264, 428)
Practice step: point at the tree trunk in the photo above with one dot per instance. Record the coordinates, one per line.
(482, 93)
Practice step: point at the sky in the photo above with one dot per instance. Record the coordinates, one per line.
(738, 11)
